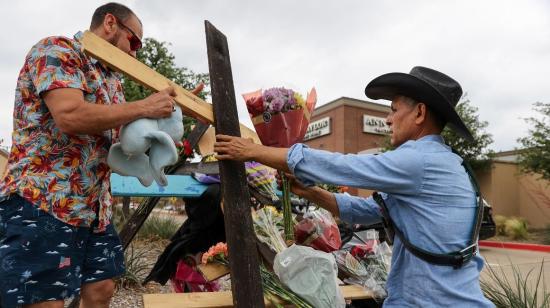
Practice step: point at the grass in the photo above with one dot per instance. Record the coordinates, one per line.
(513, 227)
(516, 228)
(546, 235)
(157, 226)
(515, 291)
(136, 267)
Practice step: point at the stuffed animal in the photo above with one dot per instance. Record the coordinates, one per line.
(158, 136)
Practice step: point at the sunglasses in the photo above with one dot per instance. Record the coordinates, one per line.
(135, 42)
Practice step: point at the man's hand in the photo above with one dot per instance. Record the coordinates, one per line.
(296, 187)
(159, 105)
(198, 89)
(234, 148)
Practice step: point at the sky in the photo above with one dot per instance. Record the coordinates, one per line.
(498, 50)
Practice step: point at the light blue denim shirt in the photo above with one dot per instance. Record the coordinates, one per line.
(431, 200)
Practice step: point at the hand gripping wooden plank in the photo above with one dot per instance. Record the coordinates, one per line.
(119, 61)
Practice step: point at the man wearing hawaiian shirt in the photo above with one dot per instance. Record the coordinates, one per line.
(56, 240)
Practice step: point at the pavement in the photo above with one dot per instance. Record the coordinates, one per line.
(504, 260)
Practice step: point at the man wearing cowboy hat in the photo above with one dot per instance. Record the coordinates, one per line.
(428, 194)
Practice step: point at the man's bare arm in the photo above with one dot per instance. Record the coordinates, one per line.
(74, 115)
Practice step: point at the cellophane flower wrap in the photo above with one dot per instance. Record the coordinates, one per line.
(319, 230)
(269, 228)
(366, 262)
(272, 286)
(281, 117)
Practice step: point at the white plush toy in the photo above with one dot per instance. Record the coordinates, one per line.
(159, 136)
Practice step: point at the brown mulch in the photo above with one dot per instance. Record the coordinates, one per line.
(132, 297)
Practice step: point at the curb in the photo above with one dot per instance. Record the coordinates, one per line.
(521, 246)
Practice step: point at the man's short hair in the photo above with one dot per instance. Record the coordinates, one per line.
(439, 121)
(120, 11)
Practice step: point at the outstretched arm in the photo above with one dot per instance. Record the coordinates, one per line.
(241, 149)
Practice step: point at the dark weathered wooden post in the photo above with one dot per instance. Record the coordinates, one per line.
(246, 282)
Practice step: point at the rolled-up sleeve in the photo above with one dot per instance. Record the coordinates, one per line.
(399, 171)
(357, 210)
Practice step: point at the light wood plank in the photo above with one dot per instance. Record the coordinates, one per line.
(223, 299)
(121, 62)
(212, 271)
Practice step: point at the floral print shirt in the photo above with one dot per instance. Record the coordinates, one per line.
(64, 175)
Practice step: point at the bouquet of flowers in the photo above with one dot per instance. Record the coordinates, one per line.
(268, 226)
(318, 230)
(374, 259)
(271, 285)
(280, 117)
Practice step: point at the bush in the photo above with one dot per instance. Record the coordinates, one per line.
(546, 238)
(515, 291)
(499, 222)
(136, 267)
(157, 226)
(516, 228)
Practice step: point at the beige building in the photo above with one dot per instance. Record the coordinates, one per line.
(348, 125)
(3, 160)
(512, 193)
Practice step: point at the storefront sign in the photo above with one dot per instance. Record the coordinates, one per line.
(318, 128)
(375, 125)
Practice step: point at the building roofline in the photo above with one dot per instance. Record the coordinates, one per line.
(509, 152)
(348, 101)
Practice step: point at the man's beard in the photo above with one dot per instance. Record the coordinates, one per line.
(114, 39)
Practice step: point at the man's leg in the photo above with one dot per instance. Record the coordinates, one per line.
(104, 261)
(97, 294)
(36, 254)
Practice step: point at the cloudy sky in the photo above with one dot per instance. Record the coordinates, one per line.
(498, 50)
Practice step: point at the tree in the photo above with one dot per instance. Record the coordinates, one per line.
(155, 54)
(475, 153)
(535, 158)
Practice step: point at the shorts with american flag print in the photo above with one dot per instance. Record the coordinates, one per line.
(45, 259)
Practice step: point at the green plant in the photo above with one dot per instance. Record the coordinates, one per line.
(515, 292)
(157, 226)
(499, 222)
(516, 228)
(136, 267)
(546, 238)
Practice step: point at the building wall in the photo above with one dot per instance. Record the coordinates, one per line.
(3, 161)
(511, 193)
(334, 141)
(347, 136)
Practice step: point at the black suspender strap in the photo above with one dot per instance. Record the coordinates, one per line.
(455, 259)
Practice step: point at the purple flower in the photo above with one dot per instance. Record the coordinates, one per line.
(279, 100)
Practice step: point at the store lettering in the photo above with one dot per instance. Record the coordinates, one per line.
(375, 125)
(318, 128)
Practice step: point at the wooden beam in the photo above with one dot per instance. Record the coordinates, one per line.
(224, 299)
(119, 61)
(244, 263)
(205, 168)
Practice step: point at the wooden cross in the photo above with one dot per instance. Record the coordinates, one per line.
(245, 273)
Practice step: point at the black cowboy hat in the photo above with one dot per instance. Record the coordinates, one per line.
(438, 91)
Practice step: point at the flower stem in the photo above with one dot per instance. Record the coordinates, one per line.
(287, 210)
